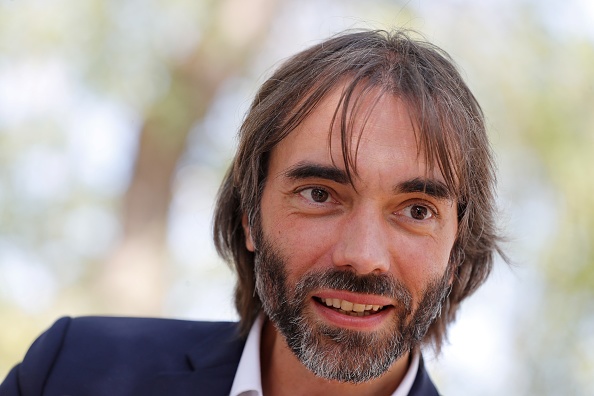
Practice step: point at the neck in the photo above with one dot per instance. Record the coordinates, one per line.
(284, 374)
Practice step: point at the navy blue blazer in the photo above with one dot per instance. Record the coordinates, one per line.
(106, 356)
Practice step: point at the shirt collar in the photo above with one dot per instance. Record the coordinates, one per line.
(248, 381)
(409, 378)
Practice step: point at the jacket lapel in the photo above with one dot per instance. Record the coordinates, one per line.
(211, 367)
(423, 385)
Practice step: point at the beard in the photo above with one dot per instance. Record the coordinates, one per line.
(336, 353)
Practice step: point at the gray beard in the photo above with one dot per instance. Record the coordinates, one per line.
(335, 353)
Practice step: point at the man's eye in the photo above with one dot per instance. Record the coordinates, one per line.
(315, 194)
(418, 212)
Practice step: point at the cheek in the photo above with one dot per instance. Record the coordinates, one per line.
(305, 244)
(421, 260)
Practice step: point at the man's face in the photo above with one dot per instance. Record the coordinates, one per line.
(353, 275)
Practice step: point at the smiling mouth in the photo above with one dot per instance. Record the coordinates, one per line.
(349, 308)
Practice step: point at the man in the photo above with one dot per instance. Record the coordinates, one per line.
(358, 213)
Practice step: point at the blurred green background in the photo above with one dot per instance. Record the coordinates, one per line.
(118, 119)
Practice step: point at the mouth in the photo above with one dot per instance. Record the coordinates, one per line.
(346, 307)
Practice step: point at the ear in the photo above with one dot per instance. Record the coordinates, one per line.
(247, 230)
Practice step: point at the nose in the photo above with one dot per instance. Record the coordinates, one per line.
(363, 243)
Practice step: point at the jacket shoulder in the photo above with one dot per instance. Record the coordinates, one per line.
(141, 333)
(27, 378)
(113, 351)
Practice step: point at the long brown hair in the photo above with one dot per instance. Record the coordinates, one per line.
(448, 121)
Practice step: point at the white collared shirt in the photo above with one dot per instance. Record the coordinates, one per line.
(248, 380)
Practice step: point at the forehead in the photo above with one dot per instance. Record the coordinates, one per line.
(374, 132)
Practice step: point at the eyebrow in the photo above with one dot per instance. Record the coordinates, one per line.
(309, 170)
(431, 187)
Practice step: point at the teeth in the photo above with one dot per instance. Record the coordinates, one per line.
(346, 305)
(353, 313)
(350, 308)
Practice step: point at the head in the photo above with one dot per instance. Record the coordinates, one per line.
(365, 68)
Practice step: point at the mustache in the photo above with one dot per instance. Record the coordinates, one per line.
(377, 284)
